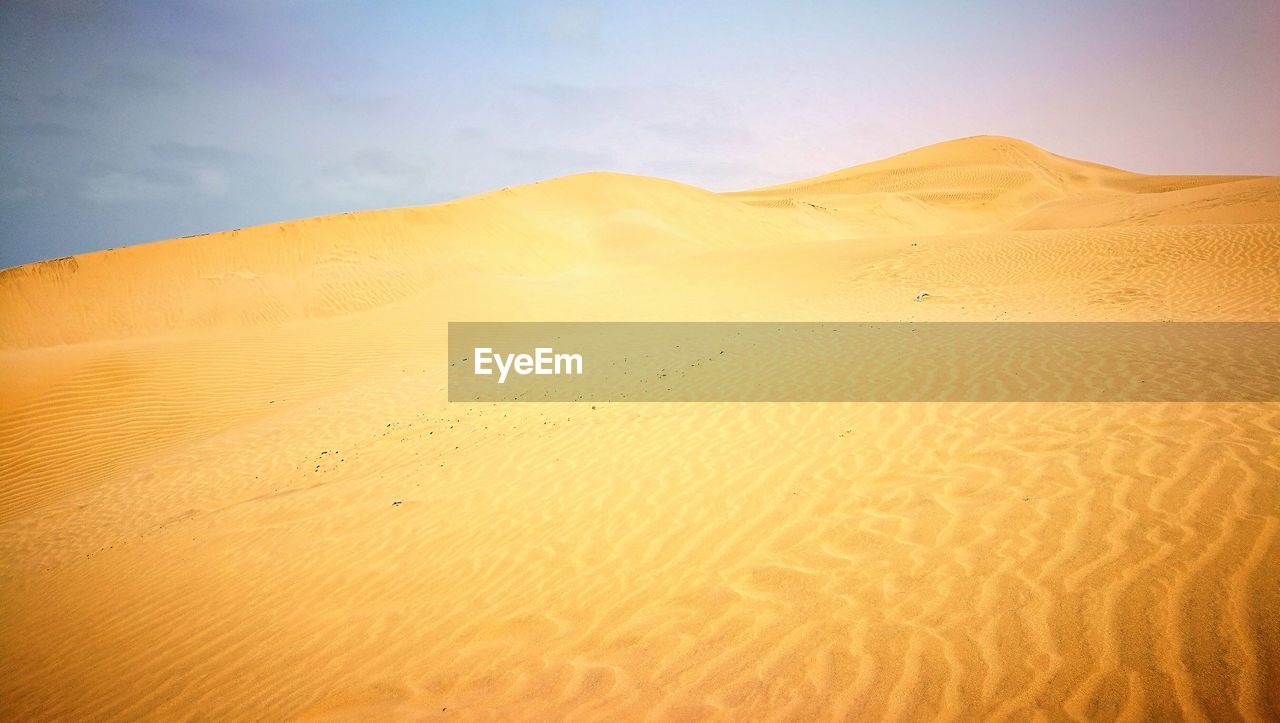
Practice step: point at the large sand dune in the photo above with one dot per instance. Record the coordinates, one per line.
(201, 440)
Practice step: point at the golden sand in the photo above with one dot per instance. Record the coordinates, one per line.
(201, 440)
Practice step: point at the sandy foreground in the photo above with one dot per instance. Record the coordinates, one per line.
(202, 438)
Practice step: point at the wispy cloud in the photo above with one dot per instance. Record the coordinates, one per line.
(116, 187)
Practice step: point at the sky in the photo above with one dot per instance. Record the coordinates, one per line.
(123, 122)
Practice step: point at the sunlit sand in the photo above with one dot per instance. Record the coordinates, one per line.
(231, 486)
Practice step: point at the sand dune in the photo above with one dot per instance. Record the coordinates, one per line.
(201, 440)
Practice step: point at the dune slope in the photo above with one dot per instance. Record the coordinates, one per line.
(202, 438)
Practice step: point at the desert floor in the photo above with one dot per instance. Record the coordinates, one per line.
(202, 438)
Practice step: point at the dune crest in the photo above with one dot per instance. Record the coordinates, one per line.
(201, 441)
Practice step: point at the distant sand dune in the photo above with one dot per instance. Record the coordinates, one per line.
(201, 440)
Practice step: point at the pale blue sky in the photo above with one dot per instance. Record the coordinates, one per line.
(124, 122)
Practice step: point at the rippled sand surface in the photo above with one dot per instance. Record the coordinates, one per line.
(202, 441)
